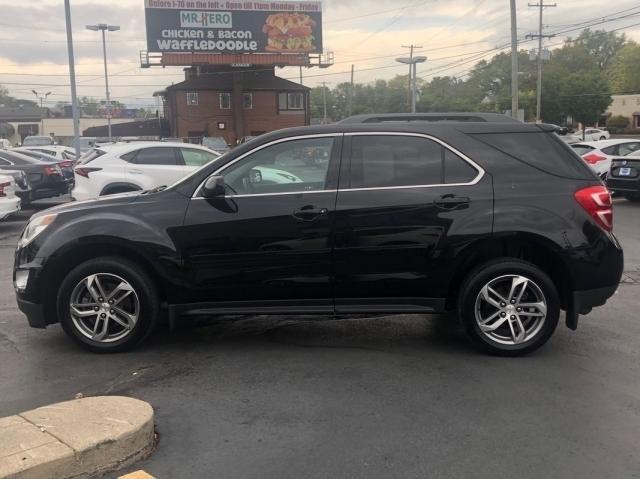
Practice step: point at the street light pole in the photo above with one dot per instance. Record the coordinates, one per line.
(42, 98)
(103, 27)
(72, 77)
(412, 62)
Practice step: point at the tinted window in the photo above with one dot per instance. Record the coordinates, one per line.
(457, 170)
(298, 165)
(17, 158)
(193, 157)
(582, 149)
(544, 151)
(4, 162)
(129, 156)
(610, 150)
(379, 161)
(156, 156)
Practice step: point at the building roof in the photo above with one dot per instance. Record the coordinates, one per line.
(26, 113)
(251, 80)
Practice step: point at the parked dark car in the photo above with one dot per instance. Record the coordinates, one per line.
(46, 178)
(624, 177)
(66, 165)
(496, 220)
(22, 185)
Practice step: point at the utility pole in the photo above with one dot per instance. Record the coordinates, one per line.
(514, 62)
(350, 109)
(412, 62)
(300, 74)
(410, 84)
(540, 36)
(42, 98)
(72, 77)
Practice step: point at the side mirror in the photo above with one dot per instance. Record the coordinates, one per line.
(214, 187)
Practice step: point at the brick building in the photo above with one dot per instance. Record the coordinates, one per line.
(233, 103)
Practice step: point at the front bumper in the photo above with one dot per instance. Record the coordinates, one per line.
(34, 313)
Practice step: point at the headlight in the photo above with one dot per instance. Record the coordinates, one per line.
(35, 227)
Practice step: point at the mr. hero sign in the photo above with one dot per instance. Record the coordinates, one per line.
(212, 26)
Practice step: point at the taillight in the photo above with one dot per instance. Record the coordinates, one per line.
(84, 171)
(52, 170)
(596, 200)
(593, 158)
(2, 187)
(66, 164)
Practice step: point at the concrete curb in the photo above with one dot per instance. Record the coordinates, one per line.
(76, 439)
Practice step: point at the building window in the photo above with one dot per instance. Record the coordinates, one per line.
(192, 98)
(291, 101)
(247, 101)
(225, 101)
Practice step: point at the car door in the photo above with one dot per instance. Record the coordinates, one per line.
(268, 240)
(406, 205)
(155, 166)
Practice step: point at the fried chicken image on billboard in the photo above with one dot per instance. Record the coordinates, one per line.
(289, 33)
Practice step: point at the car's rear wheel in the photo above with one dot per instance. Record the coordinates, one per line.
(603, 138)
(509, 307)
(108, 305)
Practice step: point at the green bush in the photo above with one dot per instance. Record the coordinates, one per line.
(617, 124)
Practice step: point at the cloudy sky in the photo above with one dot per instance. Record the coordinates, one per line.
(453, 34)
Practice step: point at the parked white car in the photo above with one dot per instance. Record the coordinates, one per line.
(593, 134)
(5, 144)
(9, 202)
(59, 152)
(598, 154)
(123, 167)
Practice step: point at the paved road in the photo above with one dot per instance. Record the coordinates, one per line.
(402, 397)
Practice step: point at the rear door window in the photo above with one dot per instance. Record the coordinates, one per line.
(156, 156)
(629, 149)
(388, 161)
(541, 150)
(379, 161)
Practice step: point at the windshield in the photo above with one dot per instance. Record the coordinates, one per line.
(37, 141)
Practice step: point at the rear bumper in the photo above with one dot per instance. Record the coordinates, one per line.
(620, 185)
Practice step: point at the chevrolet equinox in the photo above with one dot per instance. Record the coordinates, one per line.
(494, 219)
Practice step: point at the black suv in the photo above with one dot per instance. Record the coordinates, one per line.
(497, 220)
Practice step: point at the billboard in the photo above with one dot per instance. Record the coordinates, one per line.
(225, 26)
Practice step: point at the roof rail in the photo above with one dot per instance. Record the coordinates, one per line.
(430, 117)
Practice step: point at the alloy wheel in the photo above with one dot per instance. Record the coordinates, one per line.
(510, 309)
(104, 307)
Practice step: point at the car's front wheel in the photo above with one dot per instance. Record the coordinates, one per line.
(108, 304)
(509, 307)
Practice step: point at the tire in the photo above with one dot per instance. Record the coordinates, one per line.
(603, 138)
(135, 314)
(509, 339)
(634, 198)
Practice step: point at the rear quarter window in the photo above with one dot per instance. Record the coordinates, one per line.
(541, 150)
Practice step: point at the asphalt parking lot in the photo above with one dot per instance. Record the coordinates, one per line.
(401, 396)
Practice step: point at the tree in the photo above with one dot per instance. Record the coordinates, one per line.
(9, 101)
(625, 69)
(7, 130)
(601, 45)
(574, 86)
(617, 124)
